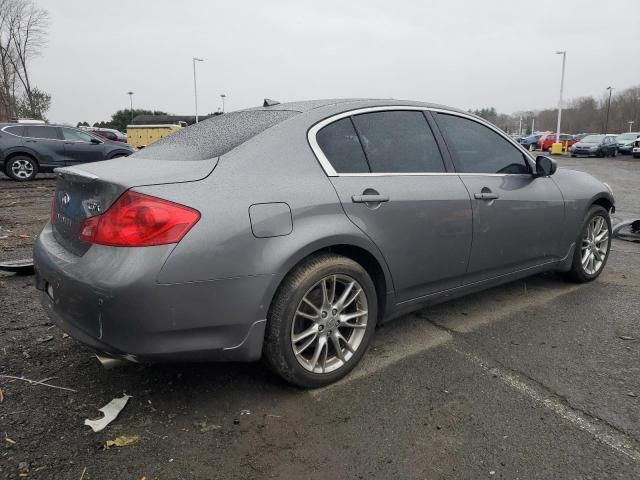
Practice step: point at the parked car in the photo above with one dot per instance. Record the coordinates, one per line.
(531, 141)
(595, 146)
(625, 142)
(636, 149)
(545, 141)
(109, 134)
(290, 231)
(26, 150)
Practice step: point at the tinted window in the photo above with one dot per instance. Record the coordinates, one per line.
(15, 130)
(398, 142)
(76, 135)
(339, 143)
(478, 149)
(214, 136)
(38, 131)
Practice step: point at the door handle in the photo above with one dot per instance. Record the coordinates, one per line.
(486, 196)
(369, 198)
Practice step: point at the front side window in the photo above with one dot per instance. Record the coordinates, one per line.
(398, 142)
(340, 144)
(478, 149)
(73, 135)
(40, 131)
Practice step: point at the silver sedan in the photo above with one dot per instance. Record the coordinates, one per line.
(290, 231)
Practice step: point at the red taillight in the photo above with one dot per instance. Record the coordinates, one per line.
(137, 220)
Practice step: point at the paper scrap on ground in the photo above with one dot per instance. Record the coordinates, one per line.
(111, 411)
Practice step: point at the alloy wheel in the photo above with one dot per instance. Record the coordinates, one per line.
(329, 324)
(22, 169)
(595, 245)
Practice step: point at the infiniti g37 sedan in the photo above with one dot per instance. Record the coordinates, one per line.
(288, 232)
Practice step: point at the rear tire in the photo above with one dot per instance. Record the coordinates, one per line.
(309, 305)
(592, 246)
(21, 168)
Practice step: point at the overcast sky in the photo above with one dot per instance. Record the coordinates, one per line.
(462, 53)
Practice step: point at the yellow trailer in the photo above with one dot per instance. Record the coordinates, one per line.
(141, 136)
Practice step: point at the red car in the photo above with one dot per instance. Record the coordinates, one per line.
(545, 141)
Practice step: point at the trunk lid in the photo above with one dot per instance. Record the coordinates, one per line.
(90, 189)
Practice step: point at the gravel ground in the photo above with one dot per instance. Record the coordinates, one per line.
(535, 379)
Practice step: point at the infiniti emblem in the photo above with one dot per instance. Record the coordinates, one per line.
(65, 199)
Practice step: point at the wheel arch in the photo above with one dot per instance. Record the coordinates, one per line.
(604, 201)
(21, 153)
(118, 153)
(357, 250)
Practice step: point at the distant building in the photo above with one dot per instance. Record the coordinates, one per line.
(167, 119)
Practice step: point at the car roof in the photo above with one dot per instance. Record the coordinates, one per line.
(349, 104)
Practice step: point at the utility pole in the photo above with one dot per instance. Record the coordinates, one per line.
(564, 58)
(520, 126)
(223, 96)
(195, 84)
(606, 123)
(131, 104)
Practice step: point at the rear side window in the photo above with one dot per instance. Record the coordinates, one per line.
(214, 136)
(479, 149)
(18, 130)
(41, 131)
(339, 143)
(399, 142)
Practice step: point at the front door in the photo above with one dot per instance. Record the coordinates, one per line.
(79, 147)
(393, 185)
(517, 216)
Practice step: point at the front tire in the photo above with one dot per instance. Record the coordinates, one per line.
(21, 168)
(321, 321)
(592, 246)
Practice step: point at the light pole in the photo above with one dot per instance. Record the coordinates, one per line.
(131, 104)
(564, 58)
(630, 122)
(195, 84)
(223, 96)
(606, 123)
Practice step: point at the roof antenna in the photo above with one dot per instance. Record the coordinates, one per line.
(270, 103)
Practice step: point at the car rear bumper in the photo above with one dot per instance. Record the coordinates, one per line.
(109, 300)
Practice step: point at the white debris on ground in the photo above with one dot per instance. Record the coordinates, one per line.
(111, 411)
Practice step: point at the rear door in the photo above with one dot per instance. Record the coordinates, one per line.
(46, 143)
(79, 147)
(518, 218)
(393, 184)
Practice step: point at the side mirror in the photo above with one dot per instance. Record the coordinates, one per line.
(95, 141)
(545, 166)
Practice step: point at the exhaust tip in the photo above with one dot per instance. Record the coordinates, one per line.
(109, 362)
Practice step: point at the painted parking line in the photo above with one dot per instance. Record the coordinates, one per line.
(602, 432)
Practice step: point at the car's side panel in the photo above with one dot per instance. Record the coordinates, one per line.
(424, 230)
(517, 230)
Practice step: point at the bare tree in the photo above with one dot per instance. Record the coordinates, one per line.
(7, 72)
(27, 26)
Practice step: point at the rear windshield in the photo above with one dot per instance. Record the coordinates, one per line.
(215, 136)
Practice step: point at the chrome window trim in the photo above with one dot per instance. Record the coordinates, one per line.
(4, 129)
(331, 172)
